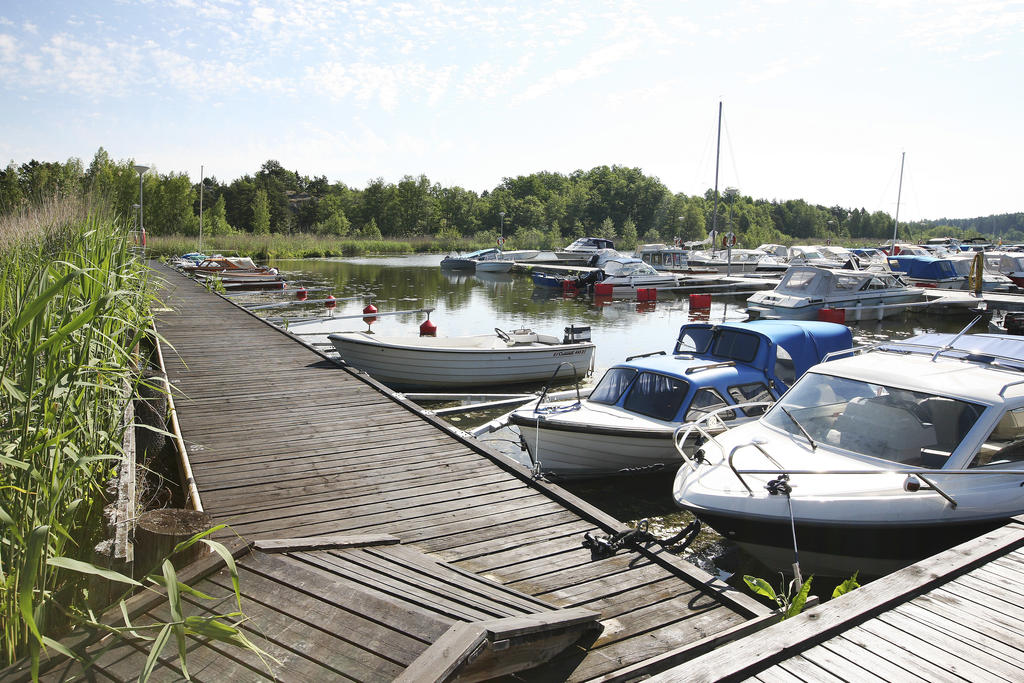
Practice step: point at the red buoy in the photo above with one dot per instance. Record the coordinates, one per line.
(330, 303)
(367, 318)
(832, 315)
(428, 329)
(301, 294)
(698, 301)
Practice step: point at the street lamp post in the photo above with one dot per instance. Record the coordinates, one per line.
(141, 169)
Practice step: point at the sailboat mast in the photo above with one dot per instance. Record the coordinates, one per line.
(899, 194)
(201, 179)
(718, 150)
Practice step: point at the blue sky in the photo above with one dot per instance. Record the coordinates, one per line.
(820, 98)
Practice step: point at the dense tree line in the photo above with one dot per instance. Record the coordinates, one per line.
(542, 208)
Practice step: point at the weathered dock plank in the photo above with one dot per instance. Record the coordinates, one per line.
(952, 615)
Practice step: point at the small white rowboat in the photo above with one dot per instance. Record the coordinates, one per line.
(515, 357)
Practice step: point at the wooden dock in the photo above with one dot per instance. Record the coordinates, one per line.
(372, 532)
(958, 615)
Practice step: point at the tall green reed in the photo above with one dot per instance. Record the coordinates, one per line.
(74, 305)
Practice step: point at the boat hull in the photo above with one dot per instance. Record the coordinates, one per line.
(873, 308)
(406, 366)
(838, 548)
(576, 451)
(496, 266)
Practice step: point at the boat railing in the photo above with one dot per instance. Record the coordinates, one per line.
(645, 355)
(682, 432)
(554, 375)
(710, 366)
(912, 483)
(1011, 362)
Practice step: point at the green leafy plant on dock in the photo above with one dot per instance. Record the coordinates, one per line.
(155, 635)
(790, 597)
(846, 586)
(74, 306)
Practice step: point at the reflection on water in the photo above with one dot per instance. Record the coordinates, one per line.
(474, 303)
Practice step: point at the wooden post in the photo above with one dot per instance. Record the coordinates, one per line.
(158, 531)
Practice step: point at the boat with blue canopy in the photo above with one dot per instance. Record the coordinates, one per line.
(928, 271)
(729, 371)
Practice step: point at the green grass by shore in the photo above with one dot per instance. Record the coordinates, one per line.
(262, 247)
(300, 245)
(74, 305)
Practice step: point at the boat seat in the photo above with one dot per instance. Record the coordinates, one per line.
(951, 419)
(884, 430)
(1005, 443)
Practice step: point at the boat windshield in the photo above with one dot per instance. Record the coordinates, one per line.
(898, 425)
(721, 343)
(611, 386)
(622, 269)
(799, 282)
(695, 339)
(657, 396)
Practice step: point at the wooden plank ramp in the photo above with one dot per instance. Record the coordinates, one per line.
(958, 615)
(284, 443)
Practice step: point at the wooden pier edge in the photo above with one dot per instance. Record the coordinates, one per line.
(743, 659)
(736, 599)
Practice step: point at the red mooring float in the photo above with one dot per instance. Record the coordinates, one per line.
(428, 329)
(700, 301)
(330, 302)
(301, 294)
(367, 317)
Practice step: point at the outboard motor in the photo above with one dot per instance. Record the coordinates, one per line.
(576, 333)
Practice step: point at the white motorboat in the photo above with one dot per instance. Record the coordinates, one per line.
(989, 280)
(863, 294)
(498, 265)
(873, 461)
(633, 273)
(1008, 263)
(469, 261)
(514, 357)
(663, 257)
(583, 248)
(627, 424)
(928, 271)
(731, 261)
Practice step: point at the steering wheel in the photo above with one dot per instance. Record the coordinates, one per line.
(502, 334)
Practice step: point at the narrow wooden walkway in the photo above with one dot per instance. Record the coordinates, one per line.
(956, 616)
(284, 443)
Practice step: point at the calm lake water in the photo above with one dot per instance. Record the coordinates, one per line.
(467, 303)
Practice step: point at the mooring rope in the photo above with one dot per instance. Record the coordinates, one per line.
(781, 486)
(638, 538)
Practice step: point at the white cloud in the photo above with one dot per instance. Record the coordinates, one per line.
(771, 71)
(77, 66)
(591, 66)
(29, 27)
(263, 18)
(8, 48)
